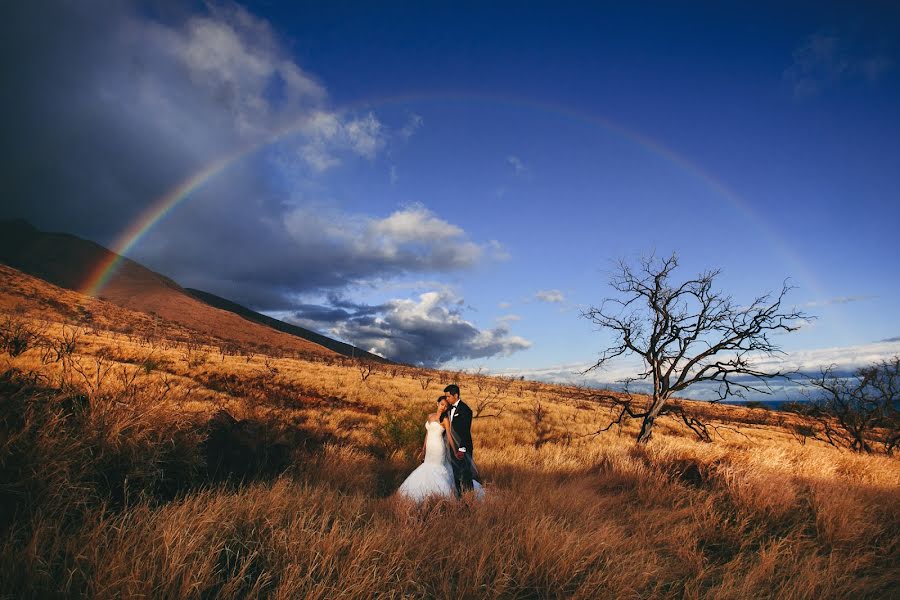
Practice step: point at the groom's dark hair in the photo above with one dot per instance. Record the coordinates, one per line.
(452, 389)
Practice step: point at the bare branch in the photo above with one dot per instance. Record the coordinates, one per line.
(688, 333)
(859, 411)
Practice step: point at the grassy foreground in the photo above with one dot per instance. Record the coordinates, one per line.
(122, 477)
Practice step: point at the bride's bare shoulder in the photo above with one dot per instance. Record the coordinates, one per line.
(432, 418)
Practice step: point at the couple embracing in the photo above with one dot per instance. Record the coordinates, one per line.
(448, 469)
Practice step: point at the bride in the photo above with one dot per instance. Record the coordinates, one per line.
(434, 477)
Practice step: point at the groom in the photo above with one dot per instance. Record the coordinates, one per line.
(461, 424)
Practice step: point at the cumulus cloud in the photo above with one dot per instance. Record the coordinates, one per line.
(346, 248)
(415, 224)
(429, 330)
(550, 296)
(824, 60)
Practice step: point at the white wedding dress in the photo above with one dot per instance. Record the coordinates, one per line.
(434, 477)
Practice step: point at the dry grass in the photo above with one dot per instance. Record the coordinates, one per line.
(107, 488)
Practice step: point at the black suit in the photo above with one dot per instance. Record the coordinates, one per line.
(462, 428)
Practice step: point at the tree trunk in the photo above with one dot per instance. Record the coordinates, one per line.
(646, 429)
(649, 419)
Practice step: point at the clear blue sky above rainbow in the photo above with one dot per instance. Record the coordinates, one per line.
(450, 183)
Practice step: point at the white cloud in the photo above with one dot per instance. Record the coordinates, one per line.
(415, 224)
(841, 357)
(837, 300)
(237, 58)
(393, 175)
(412, 125)
(572, 373)
(498, 251)
(241, 79)
(364, 135)
(504, 305)
(551, 296)
(411, 239)
(327, 133)
(509, 318)
(516, 163)
(844, 359)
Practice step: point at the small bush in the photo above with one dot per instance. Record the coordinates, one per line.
(756, 404)
(402, 431)
(16, 336)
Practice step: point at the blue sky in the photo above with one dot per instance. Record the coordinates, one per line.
(460, 177)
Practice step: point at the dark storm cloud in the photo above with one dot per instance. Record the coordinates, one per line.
(320, 314)
(108, 105)
(112, 109)
(428, 331)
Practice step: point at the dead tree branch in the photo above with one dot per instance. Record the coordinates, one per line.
(686, 333)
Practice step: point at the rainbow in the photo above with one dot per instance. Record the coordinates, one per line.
(165, 204)
(128, 238)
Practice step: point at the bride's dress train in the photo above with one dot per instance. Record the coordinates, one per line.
(434, 477)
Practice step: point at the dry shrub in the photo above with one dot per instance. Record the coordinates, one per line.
(65, 452)
(401, 430)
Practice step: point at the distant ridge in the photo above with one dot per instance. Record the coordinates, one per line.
(250, 315)
(68, 261)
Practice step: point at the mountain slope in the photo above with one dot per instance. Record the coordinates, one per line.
(68, 261)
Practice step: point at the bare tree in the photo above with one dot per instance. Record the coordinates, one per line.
(861, 409)
(271, 369)
(365, 369)
(59, 348)
(687, 333)
(487, 393)
(539, 424)
(425, 378)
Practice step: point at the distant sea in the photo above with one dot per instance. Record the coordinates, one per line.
(770, 404)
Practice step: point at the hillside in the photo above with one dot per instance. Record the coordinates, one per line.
(68, 261)
(147, 464)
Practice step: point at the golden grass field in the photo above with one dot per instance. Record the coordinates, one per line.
(108, 490)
